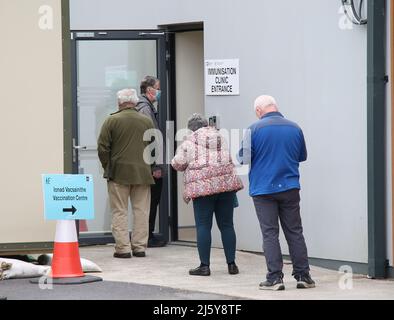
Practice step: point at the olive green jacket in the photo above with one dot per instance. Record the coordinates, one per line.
(121, 147)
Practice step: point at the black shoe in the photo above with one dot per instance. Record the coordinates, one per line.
(156, 243)
(200, 271)
(3, 298)
(122, 255)
(276, 285)
(233, 269)
(140, 254)
(305, 282)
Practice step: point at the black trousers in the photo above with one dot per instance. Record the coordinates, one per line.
(154, 202)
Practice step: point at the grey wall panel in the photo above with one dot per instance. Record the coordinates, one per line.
(296, 51)
(389, 231)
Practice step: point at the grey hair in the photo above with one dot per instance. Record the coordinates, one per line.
(196, 121)
(127, 96)
(264, 102)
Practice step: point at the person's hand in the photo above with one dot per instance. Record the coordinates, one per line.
(157, 174)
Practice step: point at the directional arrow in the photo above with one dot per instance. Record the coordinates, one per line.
(72, 209)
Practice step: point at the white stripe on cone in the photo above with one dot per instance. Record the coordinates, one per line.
(66, 231)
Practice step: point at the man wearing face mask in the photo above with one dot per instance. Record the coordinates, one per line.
(150, 93)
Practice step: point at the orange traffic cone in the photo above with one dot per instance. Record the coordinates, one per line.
(66, 261)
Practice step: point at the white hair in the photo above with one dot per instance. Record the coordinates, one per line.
(127, 96)
(264, 101)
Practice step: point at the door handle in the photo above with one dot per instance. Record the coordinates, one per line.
(82, 148)
(87, 148)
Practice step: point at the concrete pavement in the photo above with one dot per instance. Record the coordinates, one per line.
(168, 267)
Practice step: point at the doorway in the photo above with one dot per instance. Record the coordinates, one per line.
(189, 96)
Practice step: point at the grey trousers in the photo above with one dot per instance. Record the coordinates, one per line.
(286, 207)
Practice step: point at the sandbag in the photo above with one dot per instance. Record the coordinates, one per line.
(87, 265)
(15, 269)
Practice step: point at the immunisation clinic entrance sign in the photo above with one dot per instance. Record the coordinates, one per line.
(222, 77)
(68, 196)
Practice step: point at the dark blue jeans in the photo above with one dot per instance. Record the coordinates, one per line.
(222, 205)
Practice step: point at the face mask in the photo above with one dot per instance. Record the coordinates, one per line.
(158, 95)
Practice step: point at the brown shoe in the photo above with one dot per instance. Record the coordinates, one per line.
(122, 255)
(140, 254)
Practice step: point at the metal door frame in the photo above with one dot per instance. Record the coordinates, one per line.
(164, 113)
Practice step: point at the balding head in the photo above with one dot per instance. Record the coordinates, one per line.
(265, 104)
(127, 98)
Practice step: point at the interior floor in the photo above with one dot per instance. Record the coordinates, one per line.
(187, 234)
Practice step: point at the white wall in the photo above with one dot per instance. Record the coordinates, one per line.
(295, 51)
(31, 123)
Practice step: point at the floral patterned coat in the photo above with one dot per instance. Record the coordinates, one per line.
(207, 165)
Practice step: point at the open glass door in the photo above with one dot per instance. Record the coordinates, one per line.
(104, 63)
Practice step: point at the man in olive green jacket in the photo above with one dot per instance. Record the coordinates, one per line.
(120, 150)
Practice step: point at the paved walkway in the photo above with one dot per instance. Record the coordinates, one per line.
(168, 267)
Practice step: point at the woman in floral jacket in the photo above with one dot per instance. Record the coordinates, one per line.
(211, 182)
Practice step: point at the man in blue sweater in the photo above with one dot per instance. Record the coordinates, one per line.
(274, 147)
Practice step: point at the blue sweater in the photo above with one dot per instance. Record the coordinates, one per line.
(274, 148)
